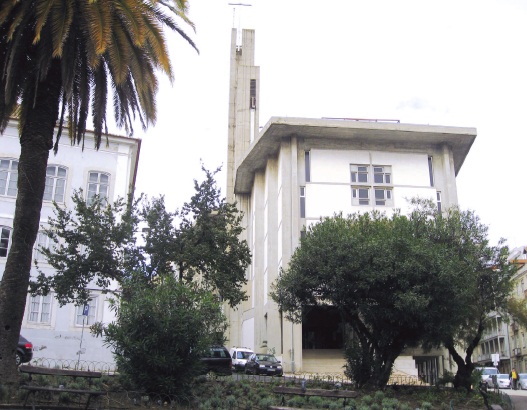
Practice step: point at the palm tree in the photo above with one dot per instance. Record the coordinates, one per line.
(59, 61)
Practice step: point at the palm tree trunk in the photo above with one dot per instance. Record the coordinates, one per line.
(36, 140)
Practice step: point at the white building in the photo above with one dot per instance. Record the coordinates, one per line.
(56, 332)
(296, 170)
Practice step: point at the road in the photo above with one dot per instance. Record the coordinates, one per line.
(518, 398)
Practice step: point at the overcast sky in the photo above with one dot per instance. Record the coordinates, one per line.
(439, 62)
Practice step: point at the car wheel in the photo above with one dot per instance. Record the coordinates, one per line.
(18, 359)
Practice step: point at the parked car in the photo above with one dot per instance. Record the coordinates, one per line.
(24, 351)
(239, 357)
(522, 381)
(217, 360)
(503, 381)
(262, 363)
(487, 374)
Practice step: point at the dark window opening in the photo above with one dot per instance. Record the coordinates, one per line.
(308, 166)
(322, 328)
(253, 94)
(431, 171)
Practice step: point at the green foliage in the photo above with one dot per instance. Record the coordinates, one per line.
(161, 332)
(426, 405)
(398, 281)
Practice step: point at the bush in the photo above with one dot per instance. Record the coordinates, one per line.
(160, 333)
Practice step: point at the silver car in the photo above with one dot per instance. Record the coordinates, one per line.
(503, 381)
(522, 381)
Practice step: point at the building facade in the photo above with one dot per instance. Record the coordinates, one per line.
(294, 171)
(62, 332)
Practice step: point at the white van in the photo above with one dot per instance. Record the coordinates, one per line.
(239, 357)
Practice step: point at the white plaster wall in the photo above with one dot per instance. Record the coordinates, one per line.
(61, 337)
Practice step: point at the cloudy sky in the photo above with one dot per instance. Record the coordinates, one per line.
(440, 62)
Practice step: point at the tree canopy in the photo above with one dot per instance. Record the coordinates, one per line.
(397, 281)
(99, 245)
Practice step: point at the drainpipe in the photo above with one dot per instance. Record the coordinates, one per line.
(292, 349)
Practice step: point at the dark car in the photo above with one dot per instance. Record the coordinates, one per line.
(24, 351)
(262, 363)
(217, 360)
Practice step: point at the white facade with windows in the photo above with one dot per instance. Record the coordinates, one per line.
(110, 172)
(297, 170)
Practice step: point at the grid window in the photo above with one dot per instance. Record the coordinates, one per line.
(98, 184)
(55, 183)
(383, 196)
(382, 175)
(361, 196)
(359, 173)
(371, 185)
(438, 197)
(40, 309)
(5, 237)
(89, 319)
(8, 177)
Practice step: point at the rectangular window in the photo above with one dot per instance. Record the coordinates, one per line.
(43, 241)
(5, 236)
(382, 196)
(307, 161)
(382, 175)
(8, 177)
(302, 202)
(40, 309)
(431, 171)
(86, 316)
(359, 173)
(55, 183)
(438, 196)
(98, 184)
(361, 196)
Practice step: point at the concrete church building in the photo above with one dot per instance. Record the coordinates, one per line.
(296, 170)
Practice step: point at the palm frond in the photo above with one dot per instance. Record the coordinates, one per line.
(98, 17)
(61, 24)
(42, 10)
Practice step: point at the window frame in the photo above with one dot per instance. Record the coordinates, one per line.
(41, 302)
(10, 180)
(98, 184)
(52, 194)
(2, 240)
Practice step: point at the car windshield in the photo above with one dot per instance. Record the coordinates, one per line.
(244, 355)
(489, 371)
(522, 376)
(503, 376)
(266, 358)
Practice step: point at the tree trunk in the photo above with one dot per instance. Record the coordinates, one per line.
(36, 140)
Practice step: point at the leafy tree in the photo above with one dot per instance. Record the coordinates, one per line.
(372, 268)
(461, 241)
(61, 59)
(397, 281)
(208, 244)
(94, 244)
(161, 332)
